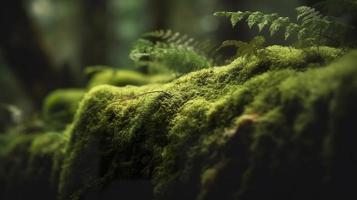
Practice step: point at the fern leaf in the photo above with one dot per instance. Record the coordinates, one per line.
(173, 38)
(311, 28)
(255, 18)
(171, 52)
(251, 48)
(303, 35)
(278, 24)
(167, 34)
(292, 29)
(305, 13)
(244, 48)
(237, 17)
(267, 19)
(163, 34)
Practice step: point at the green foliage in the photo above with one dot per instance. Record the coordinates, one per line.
(60, 107)
(167, 51)
(117, 78)
(122, 78)
(310, 29)
(244, 48)
(30, 164)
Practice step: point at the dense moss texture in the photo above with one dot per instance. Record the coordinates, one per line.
(278, 125)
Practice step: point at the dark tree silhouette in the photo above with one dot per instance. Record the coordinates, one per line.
(95, 20)
(24, 51)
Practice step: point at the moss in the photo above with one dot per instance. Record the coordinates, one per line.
(45, 157)
(13, 159)
(150, 130)
(60, 106)
(278, 125)
(125, 77)
(27, 165)
(289, 139)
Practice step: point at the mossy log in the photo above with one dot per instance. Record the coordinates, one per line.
(278, 125)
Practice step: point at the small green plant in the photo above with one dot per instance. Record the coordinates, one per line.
(310, 28)
(245, 49)
(165, 50)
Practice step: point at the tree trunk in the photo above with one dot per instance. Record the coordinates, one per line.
(160, 11)
(95, 32)
(24, 52)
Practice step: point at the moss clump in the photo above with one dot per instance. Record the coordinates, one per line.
(213, 133)
(124, 78)
(60, 106)
(30, 165)
(277, 125)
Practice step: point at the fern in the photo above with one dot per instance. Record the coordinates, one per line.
(310, 28)
(245, 49)
(168, 51)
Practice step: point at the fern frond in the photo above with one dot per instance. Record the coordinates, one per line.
(254, 18)
(311, 27)
(305, 13)
(291, 29)
(165, 50)
(164, 34)
(267, 19)
(278, 24)
(238, 16)
(245, 48)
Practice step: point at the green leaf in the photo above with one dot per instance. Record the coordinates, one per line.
(307, 13)
(254, 18)
(292, 29)
(237, 17)
(278, 24)
(171, 51)
(266, 20)
(244, 48)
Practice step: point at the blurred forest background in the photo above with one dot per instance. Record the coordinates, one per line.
(46, 44)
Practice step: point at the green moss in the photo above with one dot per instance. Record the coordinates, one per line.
(278, 125)
(125, 77)
(60, 106)
(143, 134)
(46, 155)
(13, 159)
(30, 165)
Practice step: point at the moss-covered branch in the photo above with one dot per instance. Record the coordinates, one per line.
(278, 125)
